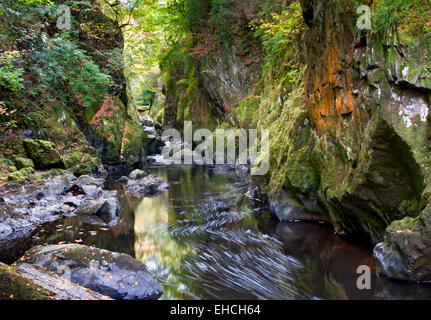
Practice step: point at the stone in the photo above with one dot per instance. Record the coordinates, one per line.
(92, 191)
(107, 208)
(147, 186)
(22, 163)
(44, 154)
(58, 187)
(116, 275)
(404, 254)
(123, 179)
(137, 174)
(87, 180)
(27, 282)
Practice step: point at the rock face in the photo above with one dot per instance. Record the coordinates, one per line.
(113, 274)
(141, 184)
(44, 154)
(369, 105)
(88, 126)
(350, 142)
(28, 282)
(405, 253)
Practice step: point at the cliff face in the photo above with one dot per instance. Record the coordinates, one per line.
(68, 88)
(369, 101)
(350, 142)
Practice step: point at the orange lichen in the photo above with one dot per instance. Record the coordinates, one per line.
(107, 110)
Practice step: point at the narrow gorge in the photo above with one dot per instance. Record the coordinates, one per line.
(89, 200)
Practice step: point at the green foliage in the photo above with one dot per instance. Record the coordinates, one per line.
(68, 70)
(279, 34)
(10, 74)
(147, 97)
(6, 122)
(392, 15)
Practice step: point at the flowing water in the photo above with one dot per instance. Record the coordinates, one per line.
(204, 240)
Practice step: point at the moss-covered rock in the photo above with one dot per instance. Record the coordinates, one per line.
(44, 154)
(27, 282)
(118, 138)
(14, 286)
(22, 163)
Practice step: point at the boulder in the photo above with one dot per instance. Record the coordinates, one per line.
(88, 181)
(22, 163)
(147, 186)
(44, 154)
(123, 179)
(107, 209)
(92, 191)
(405, 253)
(137, 174)
(116, 275)
(58, 187)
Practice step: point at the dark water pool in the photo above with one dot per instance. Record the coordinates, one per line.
(204, 240)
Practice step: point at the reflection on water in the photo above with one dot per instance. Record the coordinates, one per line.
(203, 240)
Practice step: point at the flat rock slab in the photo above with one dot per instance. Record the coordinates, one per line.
(27, 282)
(116, 275)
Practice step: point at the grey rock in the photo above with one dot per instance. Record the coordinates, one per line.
(92, 191)
(59, 288)
(58, 187)
(113, 274)
(123, 179)
(147, 186)
(87, 180)
(137, 174)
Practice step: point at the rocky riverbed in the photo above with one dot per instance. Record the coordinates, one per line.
(64, 271)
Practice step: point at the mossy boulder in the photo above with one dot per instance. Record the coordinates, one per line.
(22, 163)
(44, 154)
(81, 163)
(14, 286)
(32, 282)
(405, 253)
(72, 159)
(99, 270)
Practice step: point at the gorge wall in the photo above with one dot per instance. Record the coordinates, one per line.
(65, 90)
(349, 138)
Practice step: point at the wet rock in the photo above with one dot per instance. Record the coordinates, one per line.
(113, 274)
(287, 208)
(92, 191)
(138, 174)
(389, 263)
(405, 253)
(44, 154)
(27, 282)
(22, 163)
(148, 122)
(24, 212)
(155, 146)
(101, 172)
(107, 208)
(72, 201)
(123, 179)
(147, 186)
(58, 187)
(88, 181)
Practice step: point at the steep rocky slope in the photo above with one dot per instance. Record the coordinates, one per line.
(349, 139)
(66, 87)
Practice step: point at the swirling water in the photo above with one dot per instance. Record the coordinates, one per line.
(204, 240)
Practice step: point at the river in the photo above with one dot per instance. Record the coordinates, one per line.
(204, 240)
